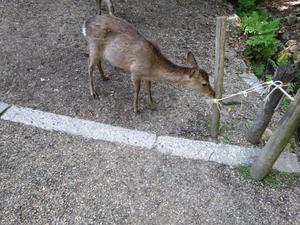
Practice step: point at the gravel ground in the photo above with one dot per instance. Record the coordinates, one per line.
(53, 178)
(43, 65)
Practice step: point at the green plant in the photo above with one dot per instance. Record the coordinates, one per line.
(274, 179)
(287, 178)
(245, 5)
(285, 104)
(244, 171)
(269, 77)
(292, 89)
(259, 69)
(271, 180)
(261, 30)
(297, 78)
(283, 58)
(273, 63)
(262, 44)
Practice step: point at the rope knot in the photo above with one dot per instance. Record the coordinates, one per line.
(267, 88)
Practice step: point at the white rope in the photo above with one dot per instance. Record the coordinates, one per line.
(267, 89)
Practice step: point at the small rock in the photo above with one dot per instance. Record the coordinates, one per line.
(285, 36)
(291, 20)
(235, 100)
(266, 135)
(252, 80)
(292, 46)
(288, 148)
(234, 27)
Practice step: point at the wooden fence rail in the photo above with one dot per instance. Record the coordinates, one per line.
(285, 74)
(278, 141)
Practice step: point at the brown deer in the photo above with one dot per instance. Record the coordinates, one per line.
(109, 4)
(123, 46)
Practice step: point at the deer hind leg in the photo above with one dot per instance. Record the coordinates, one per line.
(151, 102)
(137, 87)
(93, 60)
(99, 6)
(101, 72)
(110, 7)
(91, 81)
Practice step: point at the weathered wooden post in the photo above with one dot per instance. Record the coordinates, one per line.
(285, 74)
(277, 142)
(219, 72)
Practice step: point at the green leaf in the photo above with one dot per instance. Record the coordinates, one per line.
(283, 58)
(273, 63)
(259, 69)
(269, 77)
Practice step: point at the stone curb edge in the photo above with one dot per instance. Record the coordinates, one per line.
(231, 155)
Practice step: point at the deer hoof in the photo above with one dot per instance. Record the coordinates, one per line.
(152, 105)
(136, 110)
(95, 95)
(104, 78)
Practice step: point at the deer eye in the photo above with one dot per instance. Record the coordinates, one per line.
(204, 84)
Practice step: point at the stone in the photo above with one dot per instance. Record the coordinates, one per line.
(292, 46)
(227, 154)
(291, 20)
(235, 100)
(234, 27)
(288, 148)
(285, 36)
(252, 80)
(202, 150)
(266, 135)
(75, 126)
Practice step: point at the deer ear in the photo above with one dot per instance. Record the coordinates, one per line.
(190, 59)
(194, 73)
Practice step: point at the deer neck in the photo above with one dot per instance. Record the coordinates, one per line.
(173, 73)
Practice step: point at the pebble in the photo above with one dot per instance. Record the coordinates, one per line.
(292, 19)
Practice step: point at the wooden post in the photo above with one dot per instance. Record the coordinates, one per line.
(285, 74)
(277, 142)
(219, 72)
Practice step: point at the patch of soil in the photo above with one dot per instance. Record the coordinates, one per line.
(43, 65)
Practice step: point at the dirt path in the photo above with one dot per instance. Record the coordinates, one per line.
(55, 178)
(43, 65)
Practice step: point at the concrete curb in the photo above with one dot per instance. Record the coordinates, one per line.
(225, 154)
(85, 128)
(3, 107)
(231, 155)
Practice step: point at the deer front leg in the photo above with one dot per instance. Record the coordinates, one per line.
(151, 102)
(137, 87)
(91, 81)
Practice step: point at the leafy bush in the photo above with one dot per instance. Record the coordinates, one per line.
(261, 29)
(246, 5)
(259, 69)
(262, 45)
(274, 179)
